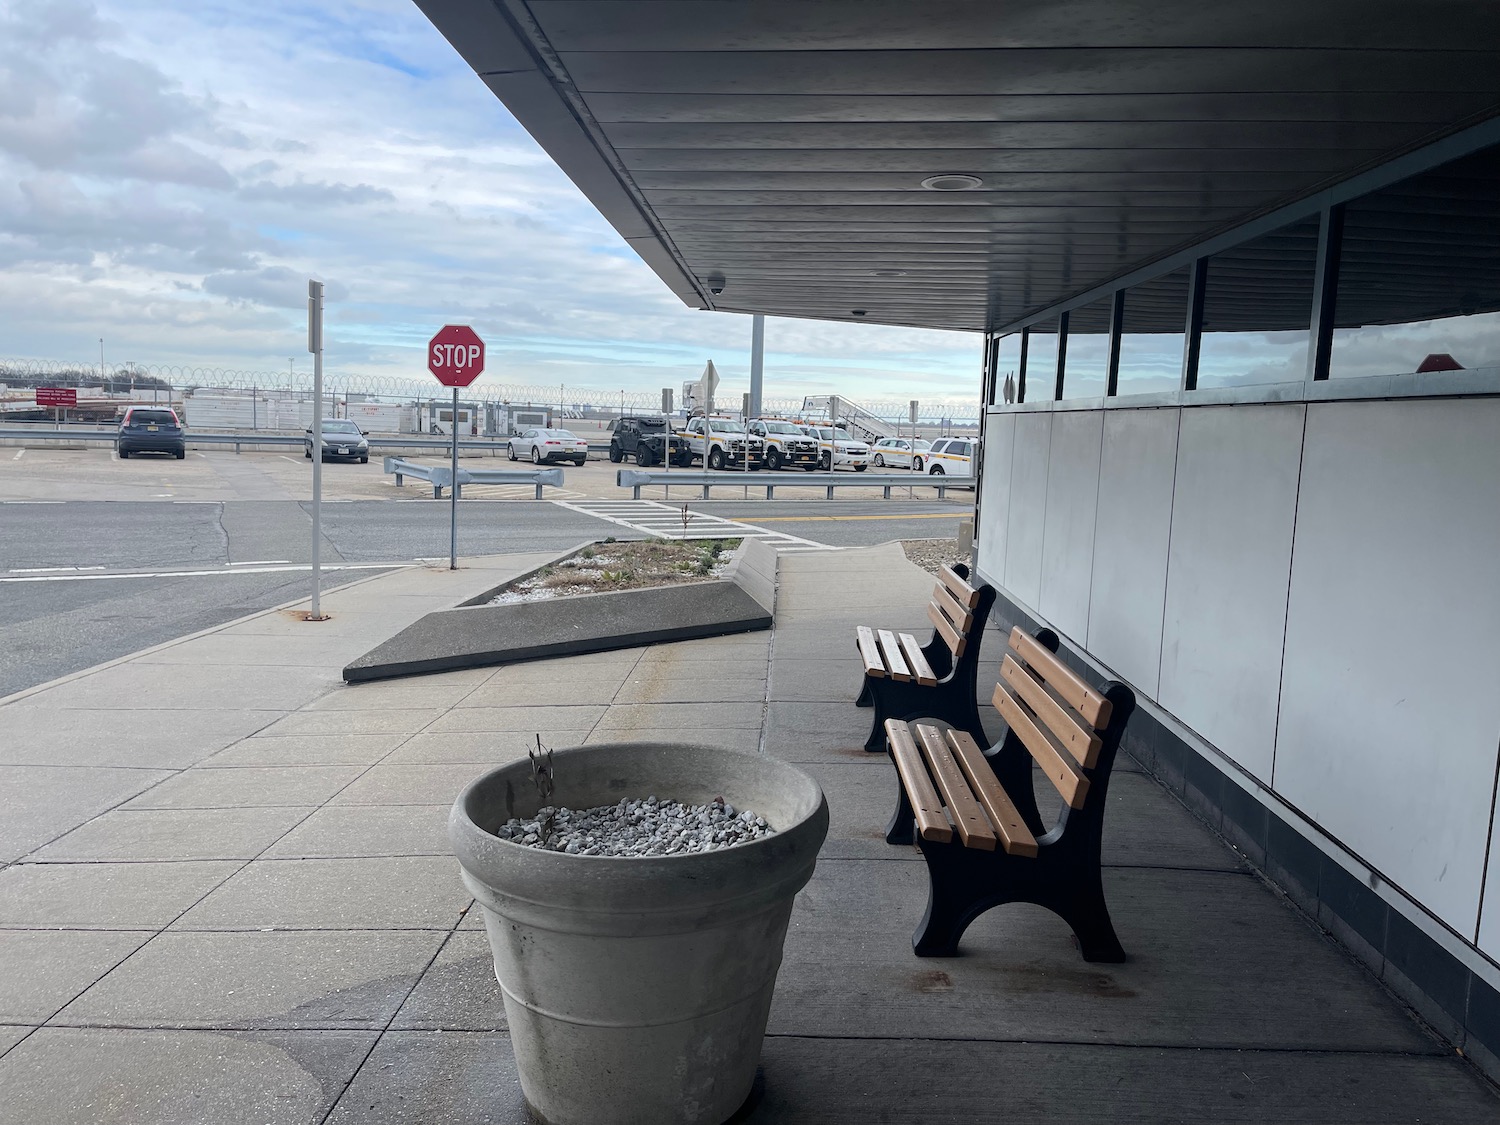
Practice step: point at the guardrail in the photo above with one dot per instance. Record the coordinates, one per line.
(393, 441)
(441, 476)
(636, 479)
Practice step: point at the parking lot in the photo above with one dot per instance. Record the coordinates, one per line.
(101, 557)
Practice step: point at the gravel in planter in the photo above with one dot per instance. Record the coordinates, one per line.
(639, 827)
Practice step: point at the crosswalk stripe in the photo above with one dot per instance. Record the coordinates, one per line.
(664, 521)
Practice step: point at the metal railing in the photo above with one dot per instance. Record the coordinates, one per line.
(496, 447)
(636, 479)
(441, 476)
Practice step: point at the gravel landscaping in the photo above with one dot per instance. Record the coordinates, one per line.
(638, 827)
(930, 554)
(609, 566)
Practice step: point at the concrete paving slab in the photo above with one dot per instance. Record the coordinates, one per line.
(596, 685)
(421, 1077)
(246, 787)
(479, 636)
(666, 717)
(828, 679)
(310, 649)
(518, 717)
(459, 991)
(104, 896)
(853, 1082)
(393, 893)
(41, 803)
(58, 966)
(723, 738)
(307, 750)
(704, 689)
(382, 720)
(808, 732)
(288, 980)
(11, 1034)
(1200, 945)
(688, 662)
(173, 834)
(40, 736)
(83, 1076)
(493, 747)
(416, 691)
(369, 830)
(408, 784)
(149, 687)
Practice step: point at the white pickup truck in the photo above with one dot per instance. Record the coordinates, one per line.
(725, 446)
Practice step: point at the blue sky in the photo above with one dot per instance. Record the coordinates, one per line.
(172, 173)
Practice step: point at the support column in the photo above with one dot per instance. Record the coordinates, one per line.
(757, 361)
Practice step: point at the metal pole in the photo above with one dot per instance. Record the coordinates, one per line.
(757, 360)
(315, 345)
(453, 494)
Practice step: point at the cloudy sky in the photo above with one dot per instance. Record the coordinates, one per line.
(172, 172)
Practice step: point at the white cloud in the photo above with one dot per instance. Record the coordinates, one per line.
(171, 173)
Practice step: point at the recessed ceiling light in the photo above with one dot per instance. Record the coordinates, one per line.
(858, 312)
(887, 273)
(952, 181)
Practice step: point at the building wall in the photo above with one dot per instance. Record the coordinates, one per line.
(1311, 589)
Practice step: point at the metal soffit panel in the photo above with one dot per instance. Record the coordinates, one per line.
(781, 146)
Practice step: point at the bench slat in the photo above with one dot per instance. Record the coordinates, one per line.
(919, 666)
(964, 810)
(1085, 700)
(925, 807)
(951, 636)
(869, 652)
(1083, 744)
(891, 651)
(1057, 764)
(967, 595)
(962, 619)
(1015, 837)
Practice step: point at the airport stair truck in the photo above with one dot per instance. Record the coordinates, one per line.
(854, 417)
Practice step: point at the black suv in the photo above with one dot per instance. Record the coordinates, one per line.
(150, 429)
(645, 438)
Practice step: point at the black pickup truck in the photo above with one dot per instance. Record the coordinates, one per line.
(645, 438)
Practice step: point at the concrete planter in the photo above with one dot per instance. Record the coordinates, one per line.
(637, 988)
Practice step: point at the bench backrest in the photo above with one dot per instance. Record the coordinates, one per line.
(952, 610)
(1053, 712)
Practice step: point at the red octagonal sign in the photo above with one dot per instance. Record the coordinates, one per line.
(455, 355)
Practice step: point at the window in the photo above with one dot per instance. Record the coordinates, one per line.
(1419, 274)
(1007, 362)
(1086, 365)
(1151, 335)
(1257, 309)
(1041, 360)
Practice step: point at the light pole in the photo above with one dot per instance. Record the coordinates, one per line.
(315, 345)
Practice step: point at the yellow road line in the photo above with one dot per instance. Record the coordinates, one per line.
(835, 519)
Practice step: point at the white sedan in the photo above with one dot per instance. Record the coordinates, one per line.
(896, 453)
(542, 446)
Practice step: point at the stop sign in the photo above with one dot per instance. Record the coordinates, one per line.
(455, 355)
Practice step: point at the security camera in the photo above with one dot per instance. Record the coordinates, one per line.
(716, 283)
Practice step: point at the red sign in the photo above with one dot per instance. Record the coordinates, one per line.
(56, 396)
(455, 355)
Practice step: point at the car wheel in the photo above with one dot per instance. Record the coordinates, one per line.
(643, 457)
(365, 460)
(826, 463)
(685, 460)
(181, 453)
(773, 459)
(579, 461)
(510, 451)
(716, 459)
(879, 461)
(307, 452)
(124, 454)
(937, 471)
(536, 455)
(916, 463)
(809, 468)
(860, 468)
(616, 454)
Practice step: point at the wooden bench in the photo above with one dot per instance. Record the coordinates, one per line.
(907, 680)
(973, 813)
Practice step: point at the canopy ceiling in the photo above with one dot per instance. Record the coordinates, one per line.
(778, 149)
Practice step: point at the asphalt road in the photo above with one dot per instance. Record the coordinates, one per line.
(83, 582)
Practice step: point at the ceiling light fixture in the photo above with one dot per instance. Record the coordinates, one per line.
(887, 273)
(952, 181)
(858, 312)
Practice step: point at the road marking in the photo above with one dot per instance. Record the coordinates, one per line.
(33, 501)
(198, 573)
(19, 454)
(255, 562)
(664, 521)
(293, 460)
(53, 569)
(814, 519)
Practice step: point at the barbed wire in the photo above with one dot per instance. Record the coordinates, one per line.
(183, 377)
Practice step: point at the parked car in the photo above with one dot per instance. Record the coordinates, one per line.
(838, 448)
(952, 457)
(644, 437)
(543, 445)
(785, 443)
(150, 429)
(900, 453)
(342, 440)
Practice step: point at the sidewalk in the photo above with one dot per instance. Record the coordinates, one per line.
(232, 899)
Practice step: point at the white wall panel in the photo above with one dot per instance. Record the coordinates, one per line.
(1068, 529)
(1136, 471)
(1389, 728)
(1028, 508)
(994, 498)
(1227, 571)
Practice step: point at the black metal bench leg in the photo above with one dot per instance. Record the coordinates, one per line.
(902, 827)
(1084, 910)
(864, 699)
(950, 904)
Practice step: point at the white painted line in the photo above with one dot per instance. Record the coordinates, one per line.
(293, 460)
(19, 454)
(260, 562)
(198, 573)
(33, 501)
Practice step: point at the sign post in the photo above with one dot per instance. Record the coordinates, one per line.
(456, 357)
(315, 345)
